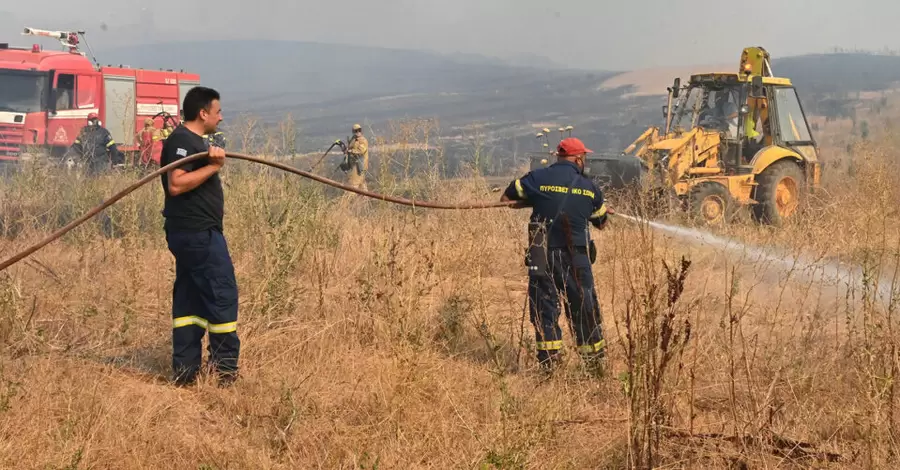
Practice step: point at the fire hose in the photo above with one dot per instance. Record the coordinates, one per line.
(336, 143)
(382, 197)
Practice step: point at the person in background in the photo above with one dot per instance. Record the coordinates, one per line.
(147, 138)
(358, 158)
(95, 148)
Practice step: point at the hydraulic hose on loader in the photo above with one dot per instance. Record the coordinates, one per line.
(150, 177)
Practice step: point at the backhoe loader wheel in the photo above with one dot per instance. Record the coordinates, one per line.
(779, 191)
(711, 204)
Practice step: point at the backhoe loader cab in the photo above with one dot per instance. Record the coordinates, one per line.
(733, 139)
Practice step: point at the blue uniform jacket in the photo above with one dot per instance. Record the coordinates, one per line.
(559, 192)
(94, 143)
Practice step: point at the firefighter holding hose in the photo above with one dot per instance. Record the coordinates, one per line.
(563, 201)
(358, 158)
(205, 293)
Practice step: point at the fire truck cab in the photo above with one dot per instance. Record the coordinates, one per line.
(46, 97)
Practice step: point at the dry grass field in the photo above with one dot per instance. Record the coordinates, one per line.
(383, 337)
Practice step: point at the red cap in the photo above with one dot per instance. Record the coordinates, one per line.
(571, 146)
(93, 116)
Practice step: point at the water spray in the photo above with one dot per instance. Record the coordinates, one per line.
(830, 271)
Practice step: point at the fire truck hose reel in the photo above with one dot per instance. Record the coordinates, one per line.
(152, 176)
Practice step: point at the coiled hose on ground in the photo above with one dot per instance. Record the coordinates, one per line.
(150, 177)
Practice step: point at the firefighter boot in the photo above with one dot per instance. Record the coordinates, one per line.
(594, 363)
(549, 361)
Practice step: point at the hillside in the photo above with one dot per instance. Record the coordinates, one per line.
(301, 73)
(327, 87)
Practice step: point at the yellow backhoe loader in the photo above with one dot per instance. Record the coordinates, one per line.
(730, 140)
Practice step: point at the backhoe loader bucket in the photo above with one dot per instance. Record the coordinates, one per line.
(616, 171)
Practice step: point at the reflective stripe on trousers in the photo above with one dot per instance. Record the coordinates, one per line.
(211, 327)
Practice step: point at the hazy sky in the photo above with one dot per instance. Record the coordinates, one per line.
(598, 34)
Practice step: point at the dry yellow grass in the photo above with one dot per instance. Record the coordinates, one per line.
(383, 337)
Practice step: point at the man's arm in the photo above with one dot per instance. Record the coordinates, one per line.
(181, 180)
(600, 215)
(77, 146)
(364, 152)
(116, 156)
(358, 146)
(516, 191)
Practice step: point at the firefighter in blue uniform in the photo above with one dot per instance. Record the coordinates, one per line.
(95, 147)
(561, 252)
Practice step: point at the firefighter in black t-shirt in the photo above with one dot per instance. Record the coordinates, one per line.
(205, 294)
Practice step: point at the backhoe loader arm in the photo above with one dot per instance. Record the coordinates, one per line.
(648, 138)
(694, 154)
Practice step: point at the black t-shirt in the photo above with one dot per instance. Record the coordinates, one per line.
(201, 208)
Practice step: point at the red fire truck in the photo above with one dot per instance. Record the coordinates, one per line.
(46, 96)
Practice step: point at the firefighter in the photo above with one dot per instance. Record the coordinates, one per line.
(167, 130)
(561, 252)
(205, 292)
(95, 147)
(358, 157)
(148, 137)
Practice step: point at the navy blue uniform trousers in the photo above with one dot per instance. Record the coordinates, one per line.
(204, 298)
(569, 279)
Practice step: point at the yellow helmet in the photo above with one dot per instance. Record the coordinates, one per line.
(357, 127)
